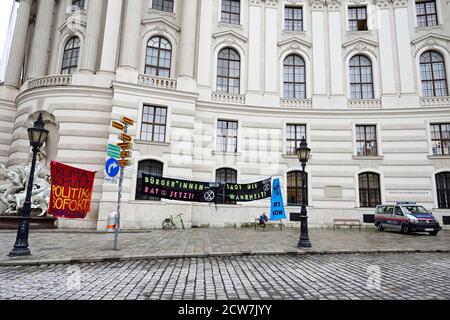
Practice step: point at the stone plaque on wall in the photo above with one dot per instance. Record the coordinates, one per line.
(334, 192)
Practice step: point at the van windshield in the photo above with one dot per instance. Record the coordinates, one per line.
(415, 209)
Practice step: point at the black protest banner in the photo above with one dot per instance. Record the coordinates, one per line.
(177, 189)
(248, 192)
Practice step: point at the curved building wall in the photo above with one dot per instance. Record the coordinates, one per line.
(109, 80)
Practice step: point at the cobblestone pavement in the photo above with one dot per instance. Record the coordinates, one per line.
(60, 247)
(349, 276)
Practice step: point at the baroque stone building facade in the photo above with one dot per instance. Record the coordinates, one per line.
(224, 90)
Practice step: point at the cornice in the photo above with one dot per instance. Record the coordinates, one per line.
(229, 33)
(162, 21)
(429, 41)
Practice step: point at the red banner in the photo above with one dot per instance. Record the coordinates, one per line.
(71, 192)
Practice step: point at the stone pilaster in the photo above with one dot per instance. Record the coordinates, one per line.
(41, 40)
(254, 47)
(204, 49)
(111, 37)
(335, 46)
(188, 36)
(17, 51)
(405, 58)
(318, 46)
(271, 47)
(385, 43)
(131, 35)
(92, 37)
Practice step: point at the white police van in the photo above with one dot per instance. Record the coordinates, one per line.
(406, 217)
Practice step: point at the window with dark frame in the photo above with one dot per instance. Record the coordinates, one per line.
(433, 74)
(293, 18)
(357, 18)
(151, 167)
(294, 188)
(369, 190)
(231, 11)
(361, 78)
(294, 77)
(153, 126)
(78, 4)
(228, 71)
(426, 13)
(158, 58)
(443, 190)
(440, 139)
(366, 140)
(223, 176)
(71, 56)
(227, 136)
(163, 5)
(294, 135)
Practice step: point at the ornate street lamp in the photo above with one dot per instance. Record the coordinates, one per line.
(303, 153)
(37, 135)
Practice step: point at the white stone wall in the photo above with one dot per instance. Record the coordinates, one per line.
(110, 83)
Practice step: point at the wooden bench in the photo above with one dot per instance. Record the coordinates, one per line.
(347, 223)
(269, 223)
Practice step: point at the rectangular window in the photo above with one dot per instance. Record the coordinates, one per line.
(293, 19)
(357, 18)
(426, 13)
(227, 136)
(294, 135)
(153, 126)
(231, 11)
(366, 140)
(440, 139)
(163, 5)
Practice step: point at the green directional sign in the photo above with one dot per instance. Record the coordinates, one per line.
(113, 151)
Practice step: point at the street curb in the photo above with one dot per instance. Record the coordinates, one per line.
(116, 258)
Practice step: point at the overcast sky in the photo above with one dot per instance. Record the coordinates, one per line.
(5, 12)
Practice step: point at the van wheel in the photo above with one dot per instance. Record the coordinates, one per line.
(380, 226)
(433, 233)
(405, 229)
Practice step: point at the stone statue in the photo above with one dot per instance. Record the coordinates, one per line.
(13, 192)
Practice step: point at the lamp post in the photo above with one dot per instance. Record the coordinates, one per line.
(37, 135)
(303, 153)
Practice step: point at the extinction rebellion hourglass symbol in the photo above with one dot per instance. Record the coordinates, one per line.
(209, 195)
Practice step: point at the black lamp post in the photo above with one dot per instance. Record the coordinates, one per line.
(37, 135)
(303, 153)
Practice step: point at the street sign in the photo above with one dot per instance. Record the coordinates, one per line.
(112, 167)
(118, 125)
(124, 163)
(125, 137)
(113, 151)
(125, 154)
(128, 121)
(124, 145)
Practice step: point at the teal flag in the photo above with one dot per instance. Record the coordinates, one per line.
(277, 208)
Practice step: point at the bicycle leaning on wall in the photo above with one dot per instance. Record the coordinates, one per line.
(169, 223)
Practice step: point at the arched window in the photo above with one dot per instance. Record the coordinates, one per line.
(294, 188)
(369, 189)
(223, 176)
(361, 78)
(443, 190)
(432, 71)
(228, 71)
(294, 77)
(78, 4)
(71, 56)
(159, 57)
(163, 5)
(152, 167)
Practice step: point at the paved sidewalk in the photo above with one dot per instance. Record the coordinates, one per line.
(72, 247)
